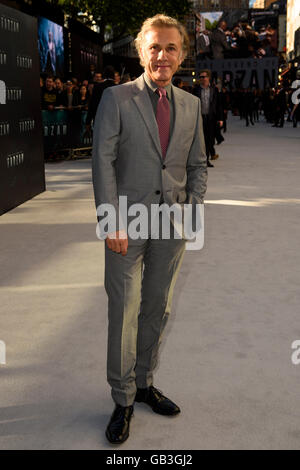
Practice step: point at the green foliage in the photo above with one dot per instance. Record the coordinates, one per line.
(210, 26)
(122, 16)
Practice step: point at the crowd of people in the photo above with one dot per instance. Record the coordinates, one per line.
(275, 105)
(57, 94)
(240, 42)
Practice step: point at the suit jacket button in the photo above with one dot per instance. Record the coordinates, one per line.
(157, 192)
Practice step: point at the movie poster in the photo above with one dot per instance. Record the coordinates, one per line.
(51, 47)
(207, 21)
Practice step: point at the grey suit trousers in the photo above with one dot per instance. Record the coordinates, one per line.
(139, 287)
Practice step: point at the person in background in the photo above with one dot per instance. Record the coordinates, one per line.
(108, 81)
(48, 95)
(219, 44)
(81, 98)
(75, 82)
(226, 105)
(256, 102)
(85, 82)
(59, 87)
(178, 82)
(91, 73)
(248, 106)
(204, 45)
(97, 77)
(117, 78)
(280, 106)
(126, 78)
(212, 113)
(67, 96)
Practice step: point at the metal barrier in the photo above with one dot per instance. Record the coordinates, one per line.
(64, 131)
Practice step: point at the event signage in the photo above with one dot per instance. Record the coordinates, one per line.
(22, 172)
(243, 73)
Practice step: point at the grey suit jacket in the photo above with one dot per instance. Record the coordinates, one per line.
(127, 158)
(219, 44)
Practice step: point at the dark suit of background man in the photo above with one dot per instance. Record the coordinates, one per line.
(219, 44)
(98, 89)
(280, 106)
(212, 113)
(248, 106)
(149, 146)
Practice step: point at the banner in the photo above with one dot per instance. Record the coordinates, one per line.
(243, 73)
(22, 172)
(65, 129)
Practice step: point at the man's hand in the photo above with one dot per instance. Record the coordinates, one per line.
(118, 242)
(220, 123)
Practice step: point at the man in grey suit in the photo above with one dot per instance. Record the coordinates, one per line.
(219, 42)
(149, 147)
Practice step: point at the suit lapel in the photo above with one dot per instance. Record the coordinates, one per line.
(143, 102)
(178, 105)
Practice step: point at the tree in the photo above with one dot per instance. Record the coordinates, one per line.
(121, 17)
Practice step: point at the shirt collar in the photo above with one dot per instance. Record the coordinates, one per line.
(153, 86)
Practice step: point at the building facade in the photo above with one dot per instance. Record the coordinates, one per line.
(259, 4)
(269, 3)
(208, 5)
(293, 29)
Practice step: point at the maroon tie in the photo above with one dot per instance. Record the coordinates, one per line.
(163, 120)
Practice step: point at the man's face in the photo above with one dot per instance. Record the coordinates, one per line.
(204, 79)
(117, 78)
(49, 83)
(58, 84)
(162, 54)
(98, 77)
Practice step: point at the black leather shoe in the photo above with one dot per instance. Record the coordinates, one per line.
(210, 165)
(117, 430)
(158, 402)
